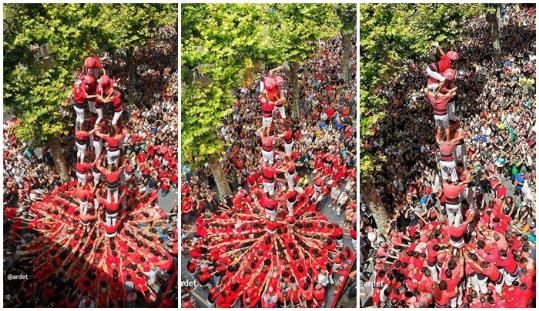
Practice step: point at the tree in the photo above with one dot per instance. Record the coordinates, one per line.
(45, 43)
(218, 43)
(35, 87)
(295, 30)
(348, 16)
(493, 18)
(221, 45)
(390, 34)
(127, 26)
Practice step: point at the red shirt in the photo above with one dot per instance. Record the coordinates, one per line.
(491, 272)
(111, 177)
(111, 207)
(116, 101)
(268, 173)
(111, 141)
(439, 103)
(452, 191)
(91, 84)
(442, 65)
(82, 167)
(81, 135)
(268, 203)
(79, 93)
(267, 109)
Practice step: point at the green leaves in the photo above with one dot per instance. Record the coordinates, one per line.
(391, 33)
(221, 46)
(34, 89)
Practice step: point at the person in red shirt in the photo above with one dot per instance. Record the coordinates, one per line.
(91, 90)
(272, 94)
(269, 177)
(81, 169)
(319, 294)
(83, 195)
(81, 140)
(79, 97)
(452, 192)
(116, 100)
(460, 148)
(269, 205)
(456, 233)
(112, 179)
(439, 104)
(113, 144)
(268, 153)
(288, 140)
(443, 295)
(93, 65)
(435, 70)
(447, 162)
(111, 208)
(104, 92)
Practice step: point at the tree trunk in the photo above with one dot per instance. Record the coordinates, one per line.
(371, 197)
(58, 157)
(294, 84)
(220, 178)
(346, 50)
(494, 23)
(130, 76)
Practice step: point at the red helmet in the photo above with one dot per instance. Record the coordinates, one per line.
(270, 84)
(93, 62)
(453, 55)
(449, 74)
(279, 80)
(106, 81)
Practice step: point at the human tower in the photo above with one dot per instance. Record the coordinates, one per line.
(97, 233)
(272, 247)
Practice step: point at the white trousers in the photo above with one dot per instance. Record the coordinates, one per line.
(91, 105)
(269, 187)
(454, 214)
(83, 208)
(81, 178)
(81, 151)
(111, 219)
(448, 170)
(98, 147)
(290, 180)
(435, 75)
(99, 112)
(116, 117)
(266, 122)
(290, 207)
(80, 117)
(281, 111)
(451, 111)
(268, 156)
(288, 148)
(271, 214)
(460, 154)
(113, 156)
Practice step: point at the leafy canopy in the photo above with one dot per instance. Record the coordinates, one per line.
(221, 43)
(34, 89)
(391, 33)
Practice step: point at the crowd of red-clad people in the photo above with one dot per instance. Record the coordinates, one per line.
(469, 239)
(268, 244)
(100, 239)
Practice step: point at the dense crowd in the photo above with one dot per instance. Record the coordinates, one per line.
(100, 238)
(461, 202)
(268, 244)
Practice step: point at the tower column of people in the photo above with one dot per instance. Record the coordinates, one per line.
(92, 90)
